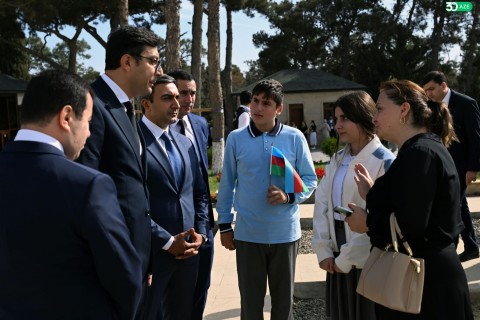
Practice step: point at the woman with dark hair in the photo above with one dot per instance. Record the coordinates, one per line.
(340, 251)
(304, 129)
(422, 189)
(313, 135)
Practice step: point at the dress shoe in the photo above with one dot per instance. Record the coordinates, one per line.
(468, 255)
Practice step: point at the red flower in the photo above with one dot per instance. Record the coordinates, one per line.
(320, 172)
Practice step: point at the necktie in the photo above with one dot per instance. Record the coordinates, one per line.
(173, 157)
(131, 116)
(181, 124)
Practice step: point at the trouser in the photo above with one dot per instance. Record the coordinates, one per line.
(203, 279)
(468, 234)
(258, 263)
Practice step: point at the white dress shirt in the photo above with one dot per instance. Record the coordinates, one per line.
(37, 136)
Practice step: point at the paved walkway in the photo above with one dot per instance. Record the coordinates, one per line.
(224, 299)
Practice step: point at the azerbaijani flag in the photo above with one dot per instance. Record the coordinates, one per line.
(279, 166)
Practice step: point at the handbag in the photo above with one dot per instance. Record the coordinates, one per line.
(391, 278)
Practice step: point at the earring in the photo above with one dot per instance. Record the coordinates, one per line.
(403, 120)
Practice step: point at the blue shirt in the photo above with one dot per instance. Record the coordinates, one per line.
(246, 178)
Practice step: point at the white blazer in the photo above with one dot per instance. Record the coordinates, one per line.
(376, 159)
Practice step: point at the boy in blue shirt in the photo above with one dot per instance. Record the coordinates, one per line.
(267, 226)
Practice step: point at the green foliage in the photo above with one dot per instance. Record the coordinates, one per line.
(329, 146)
(365, 41)
(58, 55)
(14, 60)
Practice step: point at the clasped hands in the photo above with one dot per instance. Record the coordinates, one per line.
(183, 249)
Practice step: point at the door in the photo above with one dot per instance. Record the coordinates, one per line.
(296, 114)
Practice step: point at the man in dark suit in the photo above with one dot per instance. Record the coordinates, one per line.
(116, 147)
(64, 246)
(178, 205)
(466, 152)
(197, 130)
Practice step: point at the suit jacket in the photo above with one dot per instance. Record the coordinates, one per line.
(466, 121)
(202, 132)
(174, 208)
(113, 149)
(64, 246)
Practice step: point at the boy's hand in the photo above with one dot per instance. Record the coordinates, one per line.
(227, 240)
(276, 196)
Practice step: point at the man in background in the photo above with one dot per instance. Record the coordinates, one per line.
(64, 246)
(196, 129)
(465, 152)
(242, 115)
(115, 146)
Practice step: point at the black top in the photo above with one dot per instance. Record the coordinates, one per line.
(422, 188)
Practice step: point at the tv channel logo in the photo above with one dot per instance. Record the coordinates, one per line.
(459, 6)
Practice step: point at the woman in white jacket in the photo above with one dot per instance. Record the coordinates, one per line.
(340, 251)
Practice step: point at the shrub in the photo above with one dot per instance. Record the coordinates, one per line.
(329, 146)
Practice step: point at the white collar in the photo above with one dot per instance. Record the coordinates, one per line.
(119, 93)
(37, 136)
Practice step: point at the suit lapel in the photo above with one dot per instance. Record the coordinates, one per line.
(200, 142)
(183, 153)
(157, 153)
(117, 111)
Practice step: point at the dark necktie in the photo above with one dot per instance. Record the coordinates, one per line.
(173, 157)
(131, 116)
(181, 124)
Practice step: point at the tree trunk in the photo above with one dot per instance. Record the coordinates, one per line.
(469, 69)
(72, 56)
(215, 89)
(172, 19)
(229, 111)
(119, 16)
(436, 37)
(197, 49)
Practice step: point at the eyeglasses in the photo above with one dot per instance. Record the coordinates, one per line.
(152, 61)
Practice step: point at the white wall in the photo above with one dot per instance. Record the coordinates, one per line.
(312, 104)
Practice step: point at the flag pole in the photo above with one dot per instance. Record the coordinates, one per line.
(270, 166)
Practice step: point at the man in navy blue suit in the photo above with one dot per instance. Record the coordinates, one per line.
(64, 246)
(197, 130)
(465, 152)
(178, 205)
(116, 147)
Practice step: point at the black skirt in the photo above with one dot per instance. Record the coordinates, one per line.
(342, 300)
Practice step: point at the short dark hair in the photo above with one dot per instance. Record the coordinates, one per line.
(271, 88)
(436, 76)
(163, 79)
(128, 40)
(245, 97)
(181, 75)
(49, 91)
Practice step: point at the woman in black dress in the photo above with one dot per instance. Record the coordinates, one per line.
(422, 188)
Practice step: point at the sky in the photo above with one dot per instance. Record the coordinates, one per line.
(243, 29)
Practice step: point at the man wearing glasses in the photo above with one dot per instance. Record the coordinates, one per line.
(115, 146)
